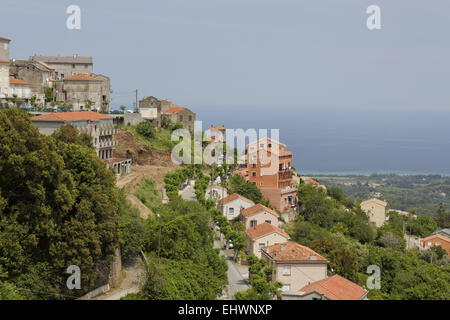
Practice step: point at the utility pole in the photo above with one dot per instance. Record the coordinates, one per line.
(159, 239)
(137, 106)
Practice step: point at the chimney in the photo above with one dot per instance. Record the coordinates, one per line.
(312, 257)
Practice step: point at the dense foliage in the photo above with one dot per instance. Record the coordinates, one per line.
(58, 207)
(420, 193)
(261, 285)
(339, 232)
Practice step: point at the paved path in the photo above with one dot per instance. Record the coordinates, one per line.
(131, 282)
(237, 274)
(188, 193)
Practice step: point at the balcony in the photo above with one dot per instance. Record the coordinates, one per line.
(107, 144)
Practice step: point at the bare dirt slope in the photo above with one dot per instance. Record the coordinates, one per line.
(149, 163)
(128, 146)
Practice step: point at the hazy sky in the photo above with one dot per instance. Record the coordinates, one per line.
(279, 53)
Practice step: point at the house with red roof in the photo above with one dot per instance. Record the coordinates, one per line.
(99, 126)
(436, 240)
(264, 235)
(232, 205)
(177, 114)
(258, 214)
(331, 288)
(295, 265)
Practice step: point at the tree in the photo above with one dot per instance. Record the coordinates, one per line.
(122, 107)
(58, 207)
(145, 129)
(442, 217)
(392, 241)
(48, 92)
(262, 285)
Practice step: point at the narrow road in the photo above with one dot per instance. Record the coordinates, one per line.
(237, 274)
(188, 193)
(131, 282)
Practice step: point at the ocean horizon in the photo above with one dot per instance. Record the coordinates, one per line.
(348, 141)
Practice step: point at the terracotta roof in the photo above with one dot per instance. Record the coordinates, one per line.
(175, 109)
(336, 288)
(17, 81)
(71, 116)
(80, 77)
(312, 180)
(292, 251)
(233, 197)
(378, 201)
(439, 236)
(264, 229)
(256, 209)
(4, 61)
(4, 39)
(218, 128)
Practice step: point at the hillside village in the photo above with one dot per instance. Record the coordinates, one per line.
(257, 216)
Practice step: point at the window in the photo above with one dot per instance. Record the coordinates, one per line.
(254, 174)
(73, 66)
(261, 245)
(253, 223)
(260, 184)
(261, 145)
(254, 165)
(180, 118)
(268, 221)
(190, 118)
(429, 243)
(286, 270)
(437, 243)
(231, 210)
(286, 287)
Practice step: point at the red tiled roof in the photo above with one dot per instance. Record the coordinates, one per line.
(233, 197)
(80, 77)
(292, 251)
(71, 116)
(218, 128)
(17, 81)
(336, 288)
(312, 180)
(439, 236)
(263, 229)
(4, 61)
(256, 209)
(175, 109)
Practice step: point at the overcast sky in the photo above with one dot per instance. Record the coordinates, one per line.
(282, 53)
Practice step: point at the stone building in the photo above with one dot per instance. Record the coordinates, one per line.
(105, 90)
(83, 92)
(4, 68)
(4, 48)
(180, 115)
(67, 66)
(97, 125)
(150, 109)
(37, 73)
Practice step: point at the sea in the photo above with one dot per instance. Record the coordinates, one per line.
(346, 141)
